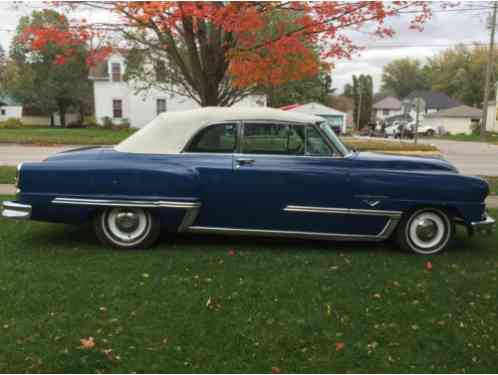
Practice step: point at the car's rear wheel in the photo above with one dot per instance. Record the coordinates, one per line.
(127, 227)
(429, 133)
(426, 231)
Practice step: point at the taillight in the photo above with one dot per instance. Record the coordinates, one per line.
(18, 174)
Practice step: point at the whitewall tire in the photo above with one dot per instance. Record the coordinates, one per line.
(127, 227)
(426, 231)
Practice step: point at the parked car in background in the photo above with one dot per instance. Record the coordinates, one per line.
(262, 172)
(426, 130)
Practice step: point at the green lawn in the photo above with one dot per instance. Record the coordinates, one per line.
(7, 175)
(58, 136)
(493, 184)
(490, 137)
(392, 146)
(98, 136)
(299, 306)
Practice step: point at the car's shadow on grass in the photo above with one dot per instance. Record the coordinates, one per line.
(82, 238)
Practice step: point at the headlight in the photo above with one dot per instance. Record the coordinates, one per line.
(18, 174)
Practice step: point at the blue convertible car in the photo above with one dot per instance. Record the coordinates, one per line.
(261, 172)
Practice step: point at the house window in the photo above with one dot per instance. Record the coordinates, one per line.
(160, 106)
(116, 72)
(117, 108)
(385, 112)
(2, 112)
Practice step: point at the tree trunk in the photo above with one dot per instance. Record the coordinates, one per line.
(209, 97)
(52, 122)
(62, 115)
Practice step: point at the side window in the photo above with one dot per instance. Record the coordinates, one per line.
(315, 144)
(220, 138)
(273, 139)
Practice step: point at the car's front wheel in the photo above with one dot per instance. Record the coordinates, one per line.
(127, 227)
(426, 231)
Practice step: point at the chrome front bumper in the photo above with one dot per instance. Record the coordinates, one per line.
(14, 210)
(486, 226)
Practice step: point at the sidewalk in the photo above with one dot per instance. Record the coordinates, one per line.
(491, 202)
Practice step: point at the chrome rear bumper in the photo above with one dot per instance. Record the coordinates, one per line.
(14, 210)
(486, 226)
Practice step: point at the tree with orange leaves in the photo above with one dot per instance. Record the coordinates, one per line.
(217, 52)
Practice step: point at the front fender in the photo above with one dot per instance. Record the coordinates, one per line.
(405, 190)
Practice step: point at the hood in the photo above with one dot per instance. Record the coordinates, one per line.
(397, 162)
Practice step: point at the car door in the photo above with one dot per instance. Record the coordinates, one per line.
(288, 178)
(210, 154)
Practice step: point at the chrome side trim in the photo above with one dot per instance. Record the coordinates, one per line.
(189, 218)
(344, 211)
(382, 235)
(14, 210)
(125, 203)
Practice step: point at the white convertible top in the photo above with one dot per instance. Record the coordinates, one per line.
(169, 132)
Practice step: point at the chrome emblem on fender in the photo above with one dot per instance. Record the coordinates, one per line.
(371, 203)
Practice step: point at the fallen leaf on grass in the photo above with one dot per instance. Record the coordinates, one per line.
(276, 370)
(88, 343)
(231, 253)
(428, 266)
(339, 345)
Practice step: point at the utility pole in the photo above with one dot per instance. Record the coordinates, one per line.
(417, 104)
(489, 66)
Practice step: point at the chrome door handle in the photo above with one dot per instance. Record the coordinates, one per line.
(241, 162)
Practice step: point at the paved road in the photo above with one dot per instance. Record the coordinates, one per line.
(474, 158)
(15, 154)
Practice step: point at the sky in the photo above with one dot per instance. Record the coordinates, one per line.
(464, 24)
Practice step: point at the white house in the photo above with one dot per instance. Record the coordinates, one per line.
(117, 99)
(9, 108)
(336, 118)
(389, 106)
(456, 120)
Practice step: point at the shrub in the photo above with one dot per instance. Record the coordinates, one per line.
(90, 122)
(75, 125)
(475, 127)
(107, 122)
(11, 123)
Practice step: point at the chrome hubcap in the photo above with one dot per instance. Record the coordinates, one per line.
(127, 221)
(126, 226)
(426, 229)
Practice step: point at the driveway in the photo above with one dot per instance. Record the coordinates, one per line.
(15, 154)
(473, 158)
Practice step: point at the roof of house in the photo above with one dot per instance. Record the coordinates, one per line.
(99, 70)
(7, 100)
(314, 108)
(433, 99)
(169, 132)
(389, 102)
(462, 111)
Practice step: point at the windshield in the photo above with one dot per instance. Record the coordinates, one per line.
(327, 129)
